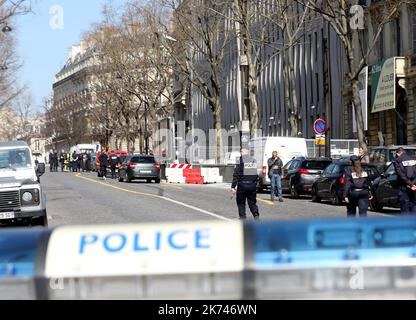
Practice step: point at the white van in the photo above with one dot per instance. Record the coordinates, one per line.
(84, 148)
(262, 148)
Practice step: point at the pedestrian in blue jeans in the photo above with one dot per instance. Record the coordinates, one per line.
(275, 174)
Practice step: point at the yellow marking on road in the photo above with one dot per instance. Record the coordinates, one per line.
(78, 175)
(118, 188)
(266, 201)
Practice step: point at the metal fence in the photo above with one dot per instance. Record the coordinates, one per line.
(339, 148)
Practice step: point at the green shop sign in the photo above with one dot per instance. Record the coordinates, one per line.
(383, 85)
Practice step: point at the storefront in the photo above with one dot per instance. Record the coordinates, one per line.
(390, 101)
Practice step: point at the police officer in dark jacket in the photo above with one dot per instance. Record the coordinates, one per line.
(103, 165)
(114, 161)
(406, 178)
(356, 188)
(245, 180)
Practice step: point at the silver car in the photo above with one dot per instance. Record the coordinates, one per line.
(140, 166)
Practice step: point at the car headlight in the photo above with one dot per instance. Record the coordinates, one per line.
(30, 197)
(27, 196)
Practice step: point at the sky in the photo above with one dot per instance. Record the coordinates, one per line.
(44, 39)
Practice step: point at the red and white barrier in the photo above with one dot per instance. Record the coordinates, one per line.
(184, 173)
(174, 173)
(211, 175)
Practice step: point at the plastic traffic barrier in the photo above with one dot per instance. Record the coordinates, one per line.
(313, 259)
(21, 262)
(336, 259)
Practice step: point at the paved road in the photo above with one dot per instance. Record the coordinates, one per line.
(85, 199)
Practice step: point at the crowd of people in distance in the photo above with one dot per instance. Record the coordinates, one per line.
(69, 162)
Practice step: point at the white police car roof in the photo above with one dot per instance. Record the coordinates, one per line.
(13, 144)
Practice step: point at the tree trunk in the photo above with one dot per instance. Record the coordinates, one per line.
(218, 127)
(293, 96)
(288, 102)
(358, 113)
(252, 84)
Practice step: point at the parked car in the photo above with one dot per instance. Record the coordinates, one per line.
(385, 190)
(383, 156)
(330, 186)
(139, 166)
(300, 173)
(22, 199)
(262, 148)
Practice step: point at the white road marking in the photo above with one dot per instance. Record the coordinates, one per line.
(155, 196)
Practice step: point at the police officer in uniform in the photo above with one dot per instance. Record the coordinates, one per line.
(245, 180)
(357, 188)
(114, 161)
(103, 165)
(406, 178)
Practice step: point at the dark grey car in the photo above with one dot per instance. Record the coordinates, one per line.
(139, 166)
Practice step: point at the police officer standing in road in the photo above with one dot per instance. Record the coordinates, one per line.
(245, 179)
(114, 161)
(357, 188)
(103, 165)
(406, 178)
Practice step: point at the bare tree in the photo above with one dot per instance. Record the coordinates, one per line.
(9, 61)
(198, 42)
(338, 14)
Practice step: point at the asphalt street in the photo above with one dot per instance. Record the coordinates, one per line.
(83, 198)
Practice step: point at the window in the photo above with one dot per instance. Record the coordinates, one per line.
(316, 165)
(414, 32)
(329, 169)
(390, 171)
(143, 159)
(338, 169)
(287, 166)
(296, 165)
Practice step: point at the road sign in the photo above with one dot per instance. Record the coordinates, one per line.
(319, 126)
(320, 139)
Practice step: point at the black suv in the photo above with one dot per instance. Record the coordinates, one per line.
(330, 186)
(386, 190)
(299, 174)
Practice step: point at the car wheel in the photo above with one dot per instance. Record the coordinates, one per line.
(148, 180)
(157, 181)
(120, 179)
(315, 197)
(293, 192)
(334, 198)
(259, 188)
(39, 221)
(375, 205)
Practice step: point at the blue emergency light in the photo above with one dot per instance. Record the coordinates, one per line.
(18, 251)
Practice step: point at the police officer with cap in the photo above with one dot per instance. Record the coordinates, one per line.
(357, 188)
(406, 178)
(245, 180)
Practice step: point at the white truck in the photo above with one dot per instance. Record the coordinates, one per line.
(21, 198)
(261, 149)
(85, 148)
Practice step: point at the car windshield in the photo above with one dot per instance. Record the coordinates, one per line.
(392, 153)
(15, 158)
(316, 165)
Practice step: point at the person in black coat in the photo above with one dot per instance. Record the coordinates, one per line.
(103, 165)
(245, 179)
(357, 188)
(405, 166)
